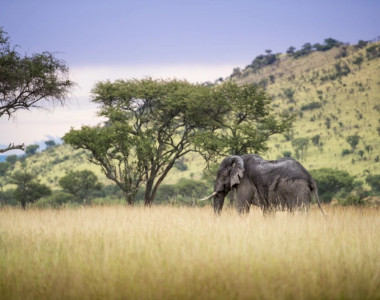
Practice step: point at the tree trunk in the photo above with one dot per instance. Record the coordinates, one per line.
(129, 199)
(23, 204)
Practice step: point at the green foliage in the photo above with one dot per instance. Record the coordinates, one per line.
(374, 182)
(361, 44)
(11, 159)
(183, 191)
(287, 153)
(331, 181)
(80, 184)
(353, 141)
(329, 43)
(311, 106)
(28, 188)
(4, 167)
(340, 70)
(31, 149)
(7, 197)
(50, 143)
(263, 60)
(291, 50)
(306, 49)
(249, 120)
(373, 52)
(346, 152)
(358, 60)
(351, 200)
(316, 140)
(56, 200)
(289, 94)
(29, 81)
(300, 145)
(328, 122)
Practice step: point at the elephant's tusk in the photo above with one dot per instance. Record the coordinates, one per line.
(212, 195)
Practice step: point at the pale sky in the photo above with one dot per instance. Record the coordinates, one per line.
(197, 40)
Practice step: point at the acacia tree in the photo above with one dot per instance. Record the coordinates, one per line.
(29, 81)
(153, 123)
(80, 184)
(28, 188)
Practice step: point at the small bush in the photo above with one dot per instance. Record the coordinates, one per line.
(374, 182)
(331, 181)
(56, 200)
(311, 106)
(346, 152)
(185, 190)
(351, 200)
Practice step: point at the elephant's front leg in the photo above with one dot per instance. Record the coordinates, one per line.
(232, 197)
(244, 196)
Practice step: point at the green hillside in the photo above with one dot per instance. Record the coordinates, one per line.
(52, 164)
(335, 95)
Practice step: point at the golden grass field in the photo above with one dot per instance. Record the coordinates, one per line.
(188, 253)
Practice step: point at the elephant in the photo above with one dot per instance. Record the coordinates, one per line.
(282, 184)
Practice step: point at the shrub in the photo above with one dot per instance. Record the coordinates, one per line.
(346, 152)
(374, 182)
(55, 200)
(311, 106)
(351, 200)
(316, 139)
(287, 153)
(185, 189)
(331, 181)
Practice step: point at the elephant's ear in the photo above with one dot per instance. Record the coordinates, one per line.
(237, 171)
(235, 176)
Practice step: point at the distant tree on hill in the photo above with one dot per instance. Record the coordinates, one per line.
(80, 184)
(358, 60)
(50, 143)
(373, 52)
(289, 94)
(31, 149)
(28, 188)
(316, 139)
(29, 81)
(300, 145)
(353, 141)
(361, 44)
(291, 51)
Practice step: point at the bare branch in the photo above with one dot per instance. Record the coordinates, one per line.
(13, 147)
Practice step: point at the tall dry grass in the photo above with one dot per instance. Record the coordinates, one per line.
(188, 253)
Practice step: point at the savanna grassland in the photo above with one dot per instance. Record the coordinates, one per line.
(188, 253)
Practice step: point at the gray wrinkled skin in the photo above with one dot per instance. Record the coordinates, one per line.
(283, 184)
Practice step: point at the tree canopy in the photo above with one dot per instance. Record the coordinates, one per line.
(29, 81)
(80, 184)
(153, 123)
(28, 188)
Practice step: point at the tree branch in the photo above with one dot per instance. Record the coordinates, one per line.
(13, 147)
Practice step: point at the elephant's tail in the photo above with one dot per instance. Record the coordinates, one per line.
(317, 198)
